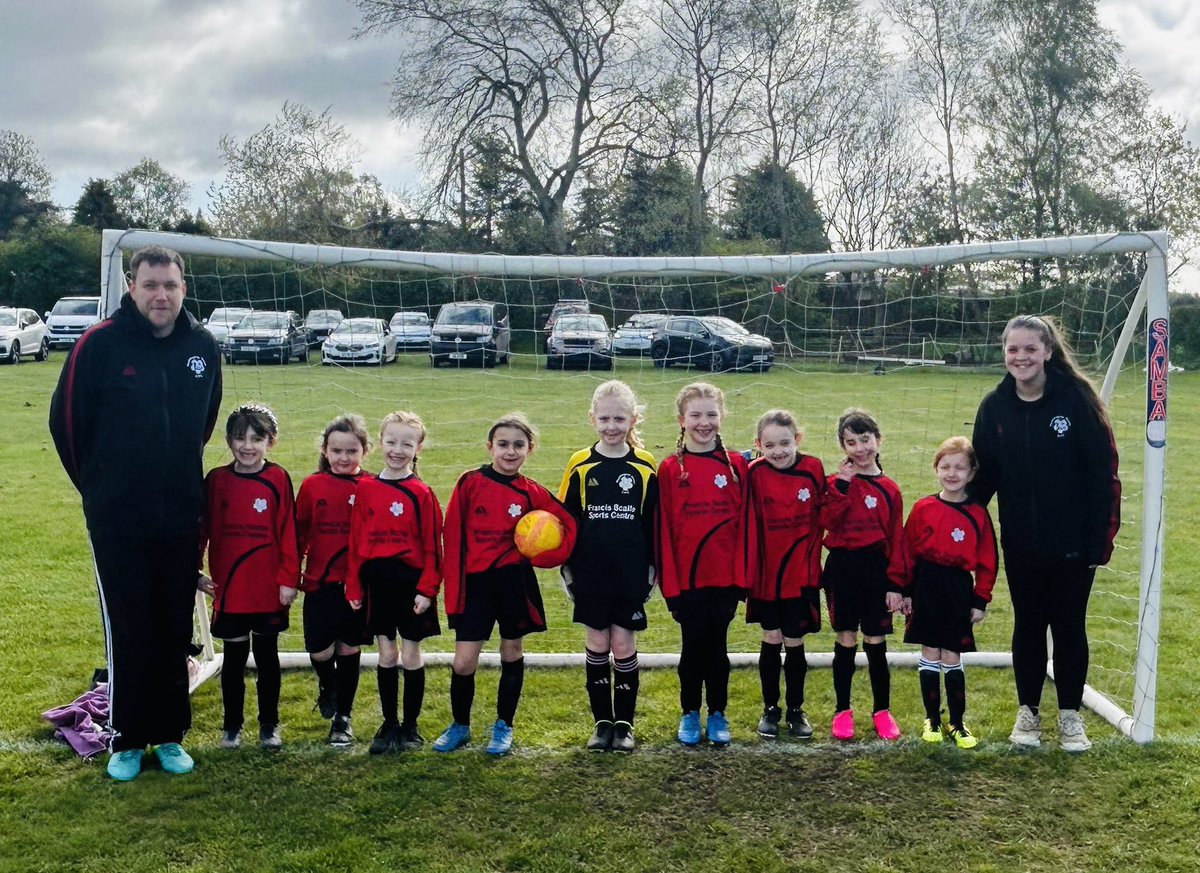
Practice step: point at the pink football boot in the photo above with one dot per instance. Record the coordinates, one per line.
(886, 726)
(843, 725)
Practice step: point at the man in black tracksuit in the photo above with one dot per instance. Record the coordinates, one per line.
(135, 403)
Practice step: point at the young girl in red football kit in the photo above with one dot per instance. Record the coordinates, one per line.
(947, 538)
(700, 555)
(249, 530)
(333, 631)
(784, 492)
(863, 516)
(488, 581)
(395, 569)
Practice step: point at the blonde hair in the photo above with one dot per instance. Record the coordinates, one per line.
(615, 389)
(956, 445)
(348, 423)
(700, 391)
(518, 421)
(408, 419)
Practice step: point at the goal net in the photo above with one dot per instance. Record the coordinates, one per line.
(912, 335)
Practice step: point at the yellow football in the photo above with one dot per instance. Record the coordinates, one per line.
(538, 532)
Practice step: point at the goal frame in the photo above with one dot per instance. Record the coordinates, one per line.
(1151, 300)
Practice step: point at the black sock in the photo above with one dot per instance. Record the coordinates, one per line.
(326, 673)
(770, 665)
(462, 696)
(233, 682)
(626, 679)
(843, 674)
(880, 673)
(347, 682)
(414, 695)
(929, 673)
(956, 693)
(795, 671)
(599, 685)
(512, 677)
(270, 677)
(389, 693)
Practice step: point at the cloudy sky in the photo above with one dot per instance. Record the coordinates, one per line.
(99, 84)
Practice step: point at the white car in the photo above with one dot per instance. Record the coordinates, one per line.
(412, 330)
(22, 332)
(69, 318)
(359, 341)
(635, 335)
(224, 319)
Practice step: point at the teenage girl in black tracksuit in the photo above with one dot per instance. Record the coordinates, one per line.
(1046, 449)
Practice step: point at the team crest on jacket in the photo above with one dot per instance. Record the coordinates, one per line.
(625, 482)
(196, 364)
(514, 510)
(1060, 424)
(871, 501)
(397, 509)
(351, 500)
(958, 535)
(804, 495)
(260, 504)
(720, 481)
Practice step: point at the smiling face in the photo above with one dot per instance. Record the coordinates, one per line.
(861, 449)
(401, 444)
(158, 291)
(250, 451)
(613, 420)
(701, 422)
(509, 447)
(344, 452)
(778, 445)
(1025, 357)
(954, 474)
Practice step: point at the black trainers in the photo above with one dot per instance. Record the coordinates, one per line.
(408, 740)
(602, 738)
(798, 724)
(622, 738)
(386, 739)
(768, 725)
(270, 738)
(340, 733)
(326, 702)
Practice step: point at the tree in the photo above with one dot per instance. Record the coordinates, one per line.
(46, 262)
(755, 212)
(19, 212)
(96, 207)
(20, 162)
(149, 196)
(652, 206)
(552, 80)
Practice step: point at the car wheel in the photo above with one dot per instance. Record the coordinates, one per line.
(607, 364)
(304, 354)
(14, 353)
(433, 361)
(659, 354)
(715, 362)
(43, 353)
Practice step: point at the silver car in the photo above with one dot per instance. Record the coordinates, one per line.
(580, 340)
(411, 330)
(223, 319)
(635, 335)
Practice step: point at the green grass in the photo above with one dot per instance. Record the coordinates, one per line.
(551, 806)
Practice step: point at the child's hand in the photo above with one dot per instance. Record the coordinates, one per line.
(421, 603)
(205, 584)
(286, 595)
(977, 615)
(355, 604)
(906, 606)
(845, 470)
(893, 600)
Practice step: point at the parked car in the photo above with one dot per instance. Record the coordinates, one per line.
(564, 306)
(359, 341)
(320, 323)
(713, 342)
(635, 335)
(69, 318)
(22, 332)
(412, 330)
(580, 340)
(476, 333)
(223, 319)
(267, 336)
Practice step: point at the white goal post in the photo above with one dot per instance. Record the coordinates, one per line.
(1134, 715)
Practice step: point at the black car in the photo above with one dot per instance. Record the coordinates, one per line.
(267, 336)
(475, 333)
(710, 341)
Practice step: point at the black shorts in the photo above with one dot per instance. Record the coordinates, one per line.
(707, 606)
(794, 616)
(856, 587)
(232, 625)
(508, 596)
(942, 599)
(328, 619)
(391, 586)
(601, 612)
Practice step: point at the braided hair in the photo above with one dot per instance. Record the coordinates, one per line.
(699, 391)
(409, 419)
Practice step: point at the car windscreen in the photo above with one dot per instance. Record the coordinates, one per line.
(410, 318)
(356, 326)
(263, 322)
(8, 319)
(724, 327)
(465, 315)
(322, 318)
(227, 316)
(580, 322)
(642, 322)
(75, 307)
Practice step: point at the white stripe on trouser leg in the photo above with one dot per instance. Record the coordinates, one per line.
(108, 653)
